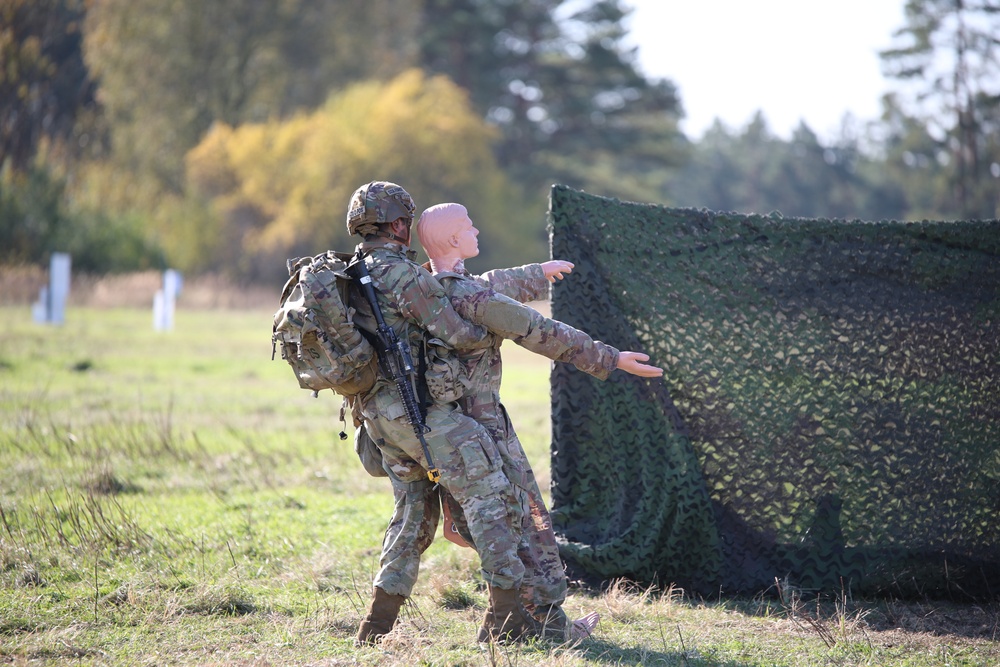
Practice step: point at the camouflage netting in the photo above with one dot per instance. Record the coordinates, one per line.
(830, 412)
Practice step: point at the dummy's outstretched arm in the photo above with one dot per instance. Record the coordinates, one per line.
(550, 338)
(526, 283)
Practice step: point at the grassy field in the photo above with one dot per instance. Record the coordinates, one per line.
(174, 498)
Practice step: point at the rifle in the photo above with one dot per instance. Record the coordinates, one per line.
(395, 361)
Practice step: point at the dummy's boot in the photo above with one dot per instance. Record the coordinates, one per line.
(505, 619)
(583, 627)
(382, 614)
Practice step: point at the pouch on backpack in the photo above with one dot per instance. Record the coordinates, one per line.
(315, 329)
(368, 452)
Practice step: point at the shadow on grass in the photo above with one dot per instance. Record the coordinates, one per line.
(600, 651)
(935, 617)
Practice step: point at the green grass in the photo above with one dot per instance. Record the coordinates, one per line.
(174, 498)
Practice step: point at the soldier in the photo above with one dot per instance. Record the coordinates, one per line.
(447, 234)
(415, 306)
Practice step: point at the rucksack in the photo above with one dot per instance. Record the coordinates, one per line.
(315, 329)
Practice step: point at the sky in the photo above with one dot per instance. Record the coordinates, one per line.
(794, 60)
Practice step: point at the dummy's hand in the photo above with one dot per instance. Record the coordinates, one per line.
(555, 269)
(631, 362)
(450, 531)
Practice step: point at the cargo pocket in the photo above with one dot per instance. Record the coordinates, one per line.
(444, 377)
(477, 450)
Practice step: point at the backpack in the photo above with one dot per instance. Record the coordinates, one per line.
(315, 328)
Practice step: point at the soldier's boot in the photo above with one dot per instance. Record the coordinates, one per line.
(552, 622)
(505, 620)
(382, 614)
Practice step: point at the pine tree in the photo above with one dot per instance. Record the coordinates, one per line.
(949, 50)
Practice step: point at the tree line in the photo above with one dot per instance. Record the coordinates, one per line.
(228, 135)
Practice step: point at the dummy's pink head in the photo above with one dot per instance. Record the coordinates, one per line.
(446, 231)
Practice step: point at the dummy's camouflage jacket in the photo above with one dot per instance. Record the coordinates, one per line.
(491, 300)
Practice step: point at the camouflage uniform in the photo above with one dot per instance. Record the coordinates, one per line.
(544, 587)
(415, 306)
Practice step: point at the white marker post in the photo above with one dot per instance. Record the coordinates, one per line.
(51, 305)
(59, 281)
(165, 300)
(40, 308)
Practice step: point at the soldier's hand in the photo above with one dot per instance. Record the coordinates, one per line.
(555, 269)
(631, 362)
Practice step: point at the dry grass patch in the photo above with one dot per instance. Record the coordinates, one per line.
(20, 285)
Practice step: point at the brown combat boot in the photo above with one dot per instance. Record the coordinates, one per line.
(505, 620)
(551, 622)
(381, 617)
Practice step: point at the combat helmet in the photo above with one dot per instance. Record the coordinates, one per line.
(376, 203)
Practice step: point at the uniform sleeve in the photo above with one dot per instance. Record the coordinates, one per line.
(521, 283)
(423, 301)
(533, 331)
(561, 342)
